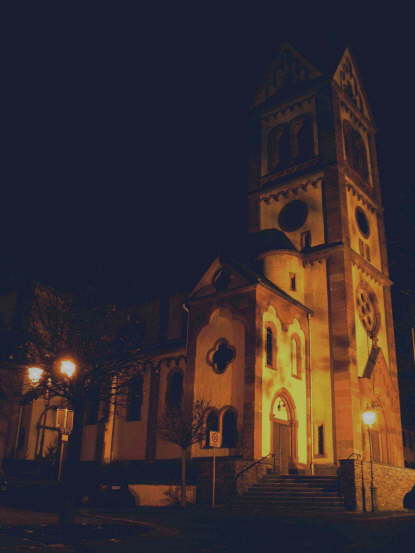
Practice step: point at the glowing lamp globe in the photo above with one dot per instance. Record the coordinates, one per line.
(68, 368)
(34, 374)
(369, 417)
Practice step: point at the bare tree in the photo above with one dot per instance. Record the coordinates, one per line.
(184, 429)
(101, 344)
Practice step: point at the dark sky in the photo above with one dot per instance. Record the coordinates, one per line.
(126, 135)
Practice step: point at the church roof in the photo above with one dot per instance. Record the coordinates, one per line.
(268, 240)
(255, 278)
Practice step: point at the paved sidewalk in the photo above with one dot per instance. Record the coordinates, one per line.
(200, 529)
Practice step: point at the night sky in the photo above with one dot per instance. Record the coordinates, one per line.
(125, 143)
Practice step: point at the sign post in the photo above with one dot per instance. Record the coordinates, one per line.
(215, 440)
(64, 422)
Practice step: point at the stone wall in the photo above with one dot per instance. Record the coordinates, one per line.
(395, 486)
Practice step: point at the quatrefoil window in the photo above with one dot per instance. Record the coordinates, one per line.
(367, 308)
(221, 355)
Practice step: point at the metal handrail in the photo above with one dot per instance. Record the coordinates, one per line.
(256, 463)
(355, 454)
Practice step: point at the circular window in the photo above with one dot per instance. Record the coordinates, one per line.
(293, 216)
(367, 308)
(362, 222)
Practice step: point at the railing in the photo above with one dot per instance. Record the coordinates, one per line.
(354, 455)
(257, 463)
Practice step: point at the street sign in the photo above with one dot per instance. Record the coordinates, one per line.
(215, 439)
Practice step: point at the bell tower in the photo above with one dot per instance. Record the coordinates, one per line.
(314, 179)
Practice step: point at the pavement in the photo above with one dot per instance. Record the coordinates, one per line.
(200, 529)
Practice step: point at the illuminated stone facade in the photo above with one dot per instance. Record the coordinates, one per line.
(292, 342)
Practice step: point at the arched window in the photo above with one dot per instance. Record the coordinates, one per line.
(295, 356)
(135, 398)
(278, 147)
(174, 391)
(305, 140)
(269, 347)
(229, 428)
(212, 425)
(355, 150)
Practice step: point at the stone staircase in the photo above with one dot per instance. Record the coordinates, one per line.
(293, 493)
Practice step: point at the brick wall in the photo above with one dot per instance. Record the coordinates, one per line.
(395, 486)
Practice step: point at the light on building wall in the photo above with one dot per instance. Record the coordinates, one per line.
(67, 367)
(34, 374)
(369, 417)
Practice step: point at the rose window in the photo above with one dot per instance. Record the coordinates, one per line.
(367, 309)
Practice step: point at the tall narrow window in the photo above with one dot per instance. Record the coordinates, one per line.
(293, 282)
(174, 391)
(355, 150)
(135, 398)
(295, 357)
(320, 439)
(305, 140)
(306, 239)
(269, 347)
(212, 425)
(229, 429)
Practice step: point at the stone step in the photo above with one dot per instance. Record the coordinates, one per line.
(298, 479)
(295, 494)
(292, 486)
(281, 500)
(287, 509)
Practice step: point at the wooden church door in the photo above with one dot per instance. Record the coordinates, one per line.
(281, 445)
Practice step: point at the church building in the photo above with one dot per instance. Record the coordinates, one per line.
(291, 342)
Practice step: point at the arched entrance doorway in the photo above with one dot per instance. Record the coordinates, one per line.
(283, 433)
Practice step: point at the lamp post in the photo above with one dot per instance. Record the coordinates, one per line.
(68, 368)
(369, 418)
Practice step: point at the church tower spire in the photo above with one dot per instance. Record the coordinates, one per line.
(314, 178)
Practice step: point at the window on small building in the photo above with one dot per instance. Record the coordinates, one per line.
(229, 428)
(320, 439)
(212, 425)
(295, 356)
(361, 247)
(174, 391)
(135, 398)
(367, 252)
(269, 347)
(293, 281)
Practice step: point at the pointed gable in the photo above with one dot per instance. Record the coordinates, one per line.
(347, 78)
(219, 277)
(288, 69)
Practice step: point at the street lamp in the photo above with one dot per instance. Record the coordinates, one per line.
(369, 419)
(34, 374)
(67, 367)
